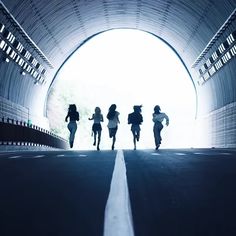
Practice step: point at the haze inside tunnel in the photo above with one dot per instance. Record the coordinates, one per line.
(125, 67)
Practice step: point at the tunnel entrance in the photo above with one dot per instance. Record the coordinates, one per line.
(125, 67)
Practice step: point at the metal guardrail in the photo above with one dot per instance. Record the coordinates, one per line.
(13, 132)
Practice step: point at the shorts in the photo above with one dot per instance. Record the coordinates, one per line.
(112, 131)
(96, 127)
(135, 128)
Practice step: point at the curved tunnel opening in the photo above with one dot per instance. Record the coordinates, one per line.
(126, 67)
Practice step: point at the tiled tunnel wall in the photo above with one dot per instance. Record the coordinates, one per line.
(59, 28)
(17, 112)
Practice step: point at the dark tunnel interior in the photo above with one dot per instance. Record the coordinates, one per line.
(37, 38)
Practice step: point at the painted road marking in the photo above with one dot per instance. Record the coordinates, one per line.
(155, 154)
(14, 157)
(226, 153)
(213, 154)
(180, 154)
(82, 155)
(38, 156)
(60, 155)
(118, 217)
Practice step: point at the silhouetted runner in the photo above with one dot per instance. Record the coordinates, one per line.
(158, 117)
(97, 118)
(135, 119)
(113, 121)
(73, 114)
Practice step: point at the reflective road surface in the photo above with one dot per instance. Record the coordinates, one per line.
(169, 192)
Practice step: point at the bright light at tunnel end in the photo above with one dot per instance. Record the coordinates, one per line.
(126, 67)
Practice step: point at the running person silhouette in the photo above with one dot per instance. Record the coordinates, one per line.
(135, 119)
(113, 121)
(97, 118)
(73, 114)
(157, 118)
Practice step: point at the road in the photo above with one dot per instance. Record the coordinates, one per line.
(170, 192)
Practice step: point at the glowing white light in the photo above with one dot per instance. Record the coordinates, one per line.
(129, 67)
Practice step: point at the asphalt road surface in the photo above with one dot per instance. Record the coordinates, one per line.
(181, 192)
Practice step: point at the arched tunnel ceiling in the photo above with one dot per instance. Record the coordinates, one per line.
(59, 27)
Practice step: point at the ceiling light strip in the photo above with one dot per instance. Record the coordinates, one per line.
(24, 34)
(215, 37)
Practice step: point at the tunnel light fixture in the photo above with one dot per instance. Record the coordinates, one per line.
(41, 79)
(212, 70)
(40, 68)
(4, 47)
(230, 39)
(35, 74)
(203, 69)
(221, 48)
(25, 65)
(38, 77)
(27, 55)
(19, 47)
(218, 64)
(224, 53)
(34, 62)
(28, 68)
(13, 54)
(11, 38)
(208, 63)
(32, 71)
(226, 57)
(2, 27)
(215, 56)
(3, 44)
(206, 76)
(8, 50)
(15, 50)
(17, 58)
(233, 50)
(21, 62)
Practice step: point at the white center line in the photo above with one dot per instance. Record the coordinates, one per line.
(118, 217)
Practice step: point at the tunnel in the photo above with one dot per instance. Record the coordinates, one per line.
(49, 189)
(37, 38)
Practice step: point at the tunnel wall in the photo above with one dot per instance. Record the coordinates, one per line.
(57, 28)
(217, 94)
